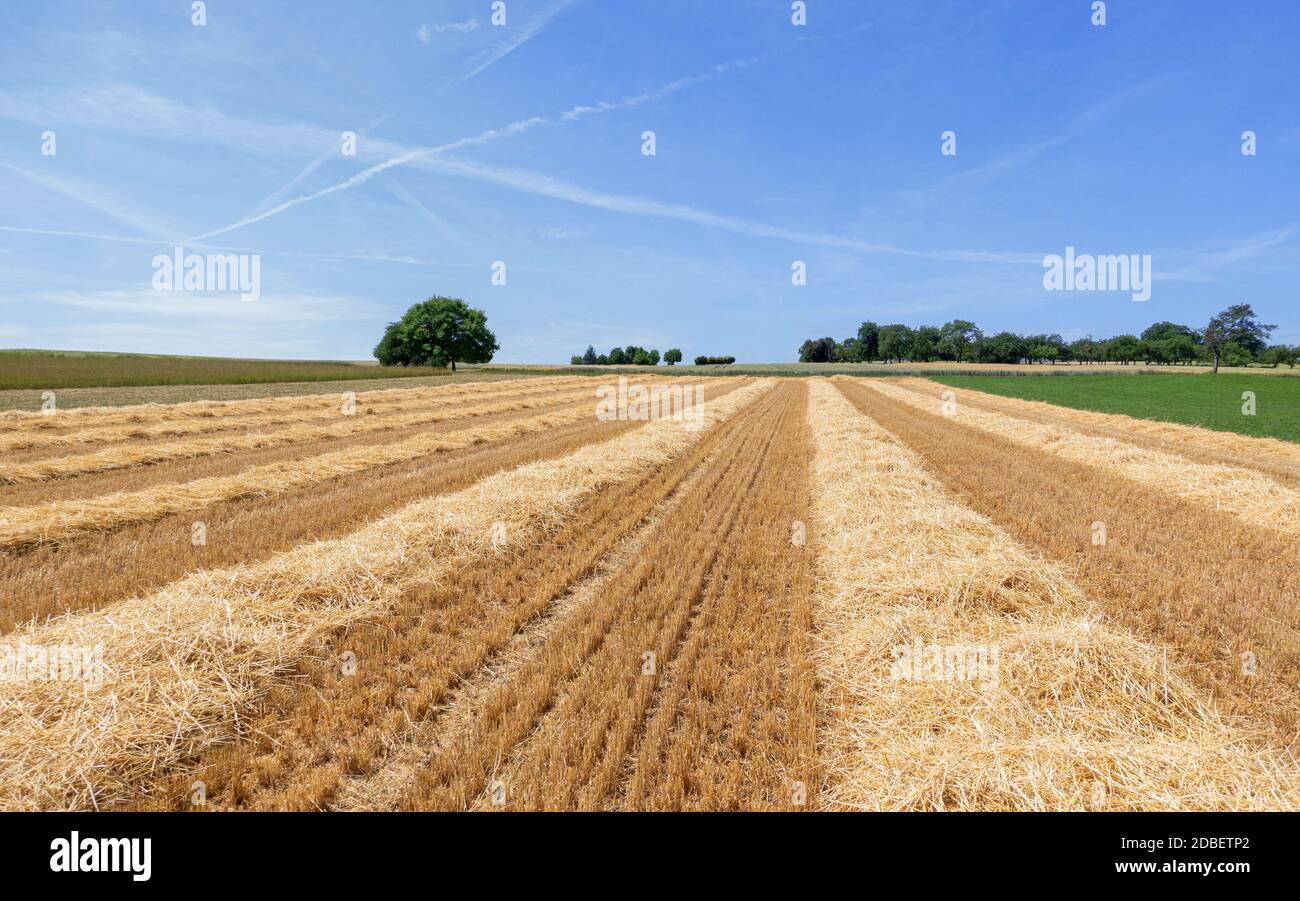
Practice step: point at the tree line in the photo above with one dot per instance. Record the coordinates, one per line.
(1234, 337)
(631, 355)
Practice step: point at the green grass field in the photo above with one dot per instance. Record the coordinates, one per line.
(1209, 401)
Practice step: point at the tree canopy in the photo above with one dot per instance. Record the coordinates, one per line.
(1238, 326)
(1235, 337)
(440, 331)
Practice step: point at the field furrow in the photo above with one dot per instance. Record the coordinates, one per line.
(960, 671)
(734, 726)
(1252, 497)
(1217, 592)
(561, 734)
(211, 644)
(323, 741)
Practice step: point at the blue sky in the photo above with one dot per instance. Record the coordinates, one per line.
(522, 143)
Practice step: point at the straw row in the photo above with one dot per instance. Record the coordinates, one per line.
(149, 454)
(185, 661)
(26, 420)
(1250, 495)
(179, 424)
(1269, 449)
(961, 672)
(60, 520)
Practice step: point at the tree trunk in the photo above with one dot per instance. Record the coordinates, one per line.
(1216, 360)
(453, 365)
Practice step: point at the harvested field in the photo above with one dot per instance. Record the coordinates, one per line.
(1253, 497)
(1209, 588)
(147, 452)
(1050, 706)
(63, 431)
(64, 519)
(817, 595)
(1278, 459)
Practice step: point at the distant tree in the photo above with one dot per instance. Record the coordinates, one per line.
(1168, 343)
(820, 350)
(1004, 347)
(1046, 348)
(1152, 352)
(1280, 354)
(1238, 326)
(1122, 349)
(617, 357)
(1086, 350)
(575, 360)
(1163, 331)
(1236, 355)
(390, 350)
(869, 341)
(653, 357)
(924, 345)
(672, 355)
(1179, 348)
(589, 357)
(894, 342)
(602, 360)
(957, 340)
(847, 351)
(440, 331)
(1041, 352)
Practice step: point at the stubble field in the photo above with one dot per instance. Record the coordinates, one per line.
(825, 594)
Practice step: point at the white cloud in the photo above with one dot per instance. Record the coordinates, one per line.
(1207, 261)
(207, 306)
(562, 233)
(520, 126)
(93, 197)
(547, 186)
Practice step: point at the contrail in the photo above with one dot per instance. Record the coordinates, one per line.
(514, 128)
(546, 186)
(330, 151)
(529, 31)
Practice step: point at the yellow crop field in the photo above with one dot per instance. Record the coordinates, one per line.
(564, 594)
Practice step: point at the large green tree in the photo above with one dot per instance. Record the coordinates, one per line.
(894, 342)
(440, 331)
(868, 341)
(820, 350)
(1235, 325)
(957, 340)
